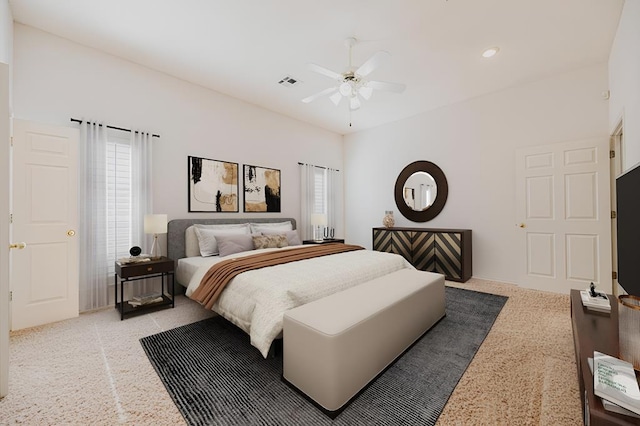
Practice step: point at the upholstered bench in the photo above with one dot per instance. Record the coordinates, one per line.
(333, 347)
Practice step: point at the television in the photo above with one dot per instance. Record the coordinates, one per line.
(628, 232)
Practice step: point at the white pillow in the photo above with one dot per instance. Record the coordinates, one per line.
(207, 238)
(192, 247)
(292, 236)
(221, 225)
(271, 226)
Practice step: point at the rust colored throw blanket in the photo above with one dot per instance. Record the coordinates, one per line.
(219, 275)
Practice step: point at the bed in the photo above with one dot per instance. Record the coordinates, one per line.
(256, 300)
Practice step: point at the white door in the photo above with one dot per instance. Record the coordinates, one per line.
(44, 275)
(563, 213)
(5, 200)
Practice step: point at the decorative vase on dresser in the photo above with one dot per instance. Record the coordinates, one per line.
(388, 221)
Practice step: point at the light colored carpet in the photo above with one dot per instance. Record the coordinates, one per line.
(93, 370)
(525, 372)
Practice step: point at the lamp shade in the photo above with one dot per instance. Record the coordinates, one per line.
(318, 219)
(155, 223)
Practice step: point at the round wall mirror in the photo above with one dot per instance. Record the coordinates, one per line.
(421, 191)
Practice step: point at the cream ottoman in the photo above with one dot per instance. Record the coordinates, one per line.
(335, 346)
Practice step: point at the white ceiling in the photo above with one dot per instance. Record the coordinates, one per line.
(244, 47)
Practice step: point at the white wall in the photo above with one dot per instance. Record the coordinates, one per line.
(55, 79)
(474, 143)
(624, 82)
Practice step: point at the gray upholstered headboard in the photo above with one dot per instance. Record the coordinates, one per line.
(177, 228)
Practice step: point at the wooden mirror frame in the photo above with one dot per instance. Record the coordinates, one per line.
(441, 194)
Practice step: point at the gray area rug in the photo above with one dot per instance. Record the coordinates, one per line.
(216, 377)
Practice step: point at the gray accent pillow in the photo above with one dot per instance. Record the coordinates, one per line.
(231, 244)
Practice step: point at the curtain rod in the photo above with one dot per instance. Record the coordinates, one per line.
(320, 167)
(111, 127)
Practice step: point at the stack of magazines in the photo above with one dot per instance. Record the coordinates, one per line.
(614, 380)
(595, 301)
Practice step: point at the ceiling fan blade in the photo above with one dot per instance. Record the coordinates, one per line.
(389, 87)
(325, 71)
(372, 63)
(319, 94)
(336, 98)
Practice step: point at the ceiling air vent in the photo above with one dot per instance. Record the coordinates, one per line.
(288, 81)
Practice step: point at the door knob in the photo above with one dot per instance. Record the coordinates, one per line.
(522, 225)
(71, 232)
(18, 246)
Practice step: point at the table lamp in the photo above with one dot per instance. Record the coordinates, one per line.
(318, 220)
(155, 224)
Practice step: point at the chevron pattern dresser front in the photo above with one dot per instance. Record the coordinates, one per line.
(447, 251)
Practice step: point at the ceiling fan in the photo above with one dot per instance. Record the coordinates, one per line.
(352, 83)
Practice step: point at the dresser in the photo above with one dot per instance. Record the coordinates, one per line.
(447, 251)
(595, 331)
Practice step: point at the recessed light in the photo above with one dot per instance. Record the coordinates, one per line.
(490, 52)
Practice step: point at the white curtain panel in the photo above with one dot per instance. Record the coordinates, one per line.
(319, 193)
(333, 185)
(94, 264)
(307, 200)
(142, 197)
(141, 187)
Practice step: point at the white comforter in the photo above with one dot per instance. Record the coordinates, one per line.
(256, 300)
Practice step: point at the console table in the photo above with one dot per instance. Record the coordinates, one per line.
(595, 331)
(447, 251)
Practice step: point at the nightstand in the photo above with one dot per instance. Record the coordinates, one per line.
(332, 240)
(131, 272)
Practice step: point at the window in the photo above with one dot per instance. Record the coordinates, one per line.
(118, 202)
(319, 195)
(319, 190)
(115, 192)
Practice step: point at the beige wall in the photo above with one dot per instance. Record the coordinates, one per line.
(56, 79)
(6, 32)
(624, 82)
(474, 143)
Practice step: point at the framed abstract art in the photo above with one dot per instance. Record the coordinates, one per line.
(261, 189)
(213, 185)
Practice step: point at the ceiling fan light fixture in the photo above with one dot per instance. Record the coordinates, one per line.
(354, 103)
(346, 89)
(351, 83)
(365, 92)
(336, 98)
(488, 53)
